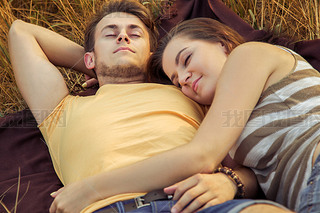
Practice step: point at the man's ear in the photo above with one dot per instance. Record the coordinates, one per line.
(89, 60)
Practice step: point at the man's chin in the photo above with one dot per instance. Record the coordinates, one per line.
(125, 62)
(119, 70)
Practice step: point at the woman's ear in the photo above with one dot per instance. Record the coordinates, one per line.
(89, 60)
(224, 48)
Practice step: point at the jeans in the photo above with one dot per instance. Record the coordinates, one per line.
(235, 206)
(161, 206)
(164, 206)
(310, 196)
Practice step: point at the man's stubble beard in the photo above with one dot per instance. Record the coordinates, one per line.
(119, 74)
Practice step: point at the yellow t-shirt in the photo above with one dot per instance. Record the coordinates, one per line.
(120, 125)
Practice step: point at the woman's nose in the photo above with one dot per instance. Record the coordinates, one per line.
(184, 77)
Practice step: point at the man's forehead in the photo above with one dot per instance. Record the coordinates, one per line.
(121, 19)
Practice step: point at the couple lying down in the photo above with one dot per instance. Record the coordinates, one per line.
(134, 137)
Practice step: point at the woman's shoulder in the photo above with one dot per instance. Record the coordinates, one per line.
(255, 46)
(278, 61)
(260, 51)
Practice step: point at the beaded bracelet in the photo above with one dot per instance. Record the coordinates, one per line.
(231, 174)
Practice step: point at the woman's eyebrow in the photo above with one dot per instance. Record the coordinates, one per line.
(178, 55)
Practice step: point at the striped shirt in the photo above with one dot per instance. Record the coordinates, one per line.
(281, 135)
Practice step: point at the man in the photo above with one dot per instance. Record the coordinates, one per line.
(125, 122)
(99, 144)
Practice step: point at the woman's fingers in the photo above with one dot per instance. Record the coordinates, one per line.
(191, 200)
(201, 191)
(202, 200)
(189, 190)
(170, 190)
(209, 204)
(185, 185)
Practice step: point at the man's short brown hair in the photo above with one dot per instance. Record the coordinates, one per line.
(126, 6)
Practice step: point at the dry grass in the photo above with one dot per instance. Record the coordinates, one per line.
(299, 18)
(18, 199)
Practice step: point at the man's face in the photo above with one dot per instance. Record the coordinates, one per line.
(121, 39)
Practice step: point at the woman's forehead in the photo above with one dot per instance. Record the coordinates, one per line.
(176, 45)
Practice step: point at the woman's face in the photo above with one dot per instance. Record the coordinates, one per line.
(195, 66)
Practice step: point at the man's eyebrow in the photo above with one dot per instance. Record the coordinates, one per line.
(114, 27)
(111, 26)
(134, 26)
(178, 55)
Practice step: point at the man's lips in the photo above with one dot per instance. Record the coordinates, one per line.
(123, 49)
(195, 84)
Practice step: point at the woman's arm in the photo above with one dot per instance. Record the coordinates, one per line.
(244, 77)
(201, 191)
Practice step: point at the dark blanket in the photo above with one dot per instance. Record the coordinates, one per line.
(22, 147)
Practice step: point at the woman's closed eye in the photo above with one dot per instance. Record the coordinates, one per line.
(176, 83)
(187, 60)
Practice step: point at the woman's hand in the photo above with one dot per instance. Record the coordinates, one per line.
(74, 197)
(201, 191)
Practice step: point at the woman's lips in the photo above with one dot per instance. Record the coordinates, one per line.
(195, 84)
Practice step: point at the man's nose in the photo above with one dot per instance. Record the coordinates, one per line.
(123, 37)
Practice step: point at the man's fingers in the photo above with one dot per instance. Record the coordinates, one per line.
(55, 194)
(89, 83)
(87, 77)
(52, 208)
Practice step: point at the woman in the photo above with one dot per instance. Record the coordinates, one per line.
(264, 105)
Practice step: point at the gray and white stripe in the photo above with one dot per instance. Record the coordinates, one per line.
(280, 137)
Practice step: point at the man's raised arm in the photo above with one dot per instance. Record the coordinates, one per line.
(34, 53)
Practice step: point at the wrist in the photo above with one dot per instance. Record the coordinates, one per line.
(237, 183)
(93, 189)
(228, 184)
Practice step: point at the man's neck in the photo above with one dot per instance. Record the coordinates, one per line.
(120, 74)
(122, 80)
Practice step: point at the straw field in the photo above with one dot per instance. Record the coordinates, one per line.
(297, 18)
